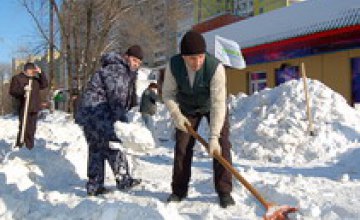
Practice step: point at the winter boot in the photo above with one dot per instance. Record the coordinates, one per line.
(127, 183)
(226, 200)
(99, 191)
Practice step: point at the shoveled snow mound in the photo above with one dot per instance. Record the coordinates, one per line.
(55, 117)
(134, 136)
(48, 182)
(163, 126)
(272, 125)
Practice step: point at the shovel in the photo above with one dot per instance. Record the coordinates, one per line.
(26, 110)
(273, 211)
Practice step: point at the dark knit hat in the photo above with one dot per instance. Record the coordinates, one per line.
(29, 66)
(135, 51)
(192, 43)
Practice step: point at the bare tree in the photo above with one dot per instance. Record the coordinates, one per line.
(84, 29)
(79, 45)
(154, 23)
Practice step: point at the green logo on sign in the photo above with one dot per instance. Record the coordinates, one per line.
(231, 52)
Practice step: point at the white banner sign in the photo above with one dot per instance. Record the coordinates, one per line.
(229, 53)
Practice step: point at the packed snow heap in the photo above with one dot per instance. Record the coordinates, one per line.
(272, 148)
(272, 125)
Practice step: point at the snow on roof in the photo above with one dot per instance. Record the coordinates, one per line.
(296, 20)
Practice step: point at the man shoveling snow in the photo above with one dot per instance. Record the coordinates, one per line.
(106, 99)
(195, 87)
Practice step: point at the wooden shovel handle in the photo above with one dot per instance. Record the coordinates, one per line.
(26, 112)
(229, 167)
(307, 99)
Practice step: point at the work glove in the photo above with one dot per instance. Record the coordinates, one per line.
(27, 88)
(180, 121)
(214, 145)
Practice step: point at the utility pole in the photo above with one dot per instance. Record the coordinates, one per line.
(51, 54)
(51, 46)
(167, 29)
(2, 93)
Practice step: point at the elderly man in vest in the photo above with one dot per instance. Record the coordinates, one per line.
(195, 87)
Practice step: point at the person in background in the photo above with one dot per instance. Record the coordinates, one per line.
(74, 101)
(59, 100)
(148, 105)
(160, 82)
(18, 87)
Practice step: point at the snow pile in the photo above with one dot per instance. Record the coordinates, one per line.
(55, 117)
(134, 136)
(272, 125)
(163, 125)
(164, 128)
(48, 182)
(8, 136)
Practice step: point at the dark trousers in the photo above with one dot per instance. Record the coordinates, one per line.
(99, 151)
(183, 158)
(29, 130)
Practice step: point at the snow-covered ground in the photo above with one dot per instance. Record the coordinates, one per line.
(271, 148)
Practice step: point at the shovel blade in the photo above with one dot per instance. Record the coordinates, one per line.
(279, 212)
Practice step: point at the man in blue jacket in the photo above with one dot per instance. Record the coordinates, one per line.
(109, 95)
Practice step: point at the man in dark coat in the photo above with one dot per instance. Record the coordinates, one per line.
(18, 87)
(74, 101)
(108, 97)
(195, 87)
(148, 105)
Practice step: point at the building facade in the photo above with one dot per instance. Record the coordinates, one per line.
(207, 9)
(322, 34)
(169, 20)
(243, 8)
(264, 6)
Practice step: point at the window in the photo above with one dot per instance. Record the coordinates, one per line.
(355, 88)
(257, 81)
(286, 73)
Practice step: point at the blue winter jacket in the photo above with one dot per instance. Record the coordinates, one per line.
(108, 96)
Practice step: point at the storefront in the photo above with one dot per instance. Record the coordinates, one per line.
(327, 42)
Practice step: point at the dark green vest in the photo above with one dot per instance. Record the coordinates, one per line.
(196, 99)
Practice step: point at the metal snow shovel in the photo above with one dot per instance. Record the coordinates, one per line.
(273, 211)
(26, 110)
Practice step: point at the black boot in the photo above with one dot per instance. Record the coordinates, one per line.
(127, 184)
(99, 191)
(175, 198)
(226, 200)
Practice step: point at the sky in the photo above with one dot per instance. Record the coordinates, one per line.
(16, 29)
